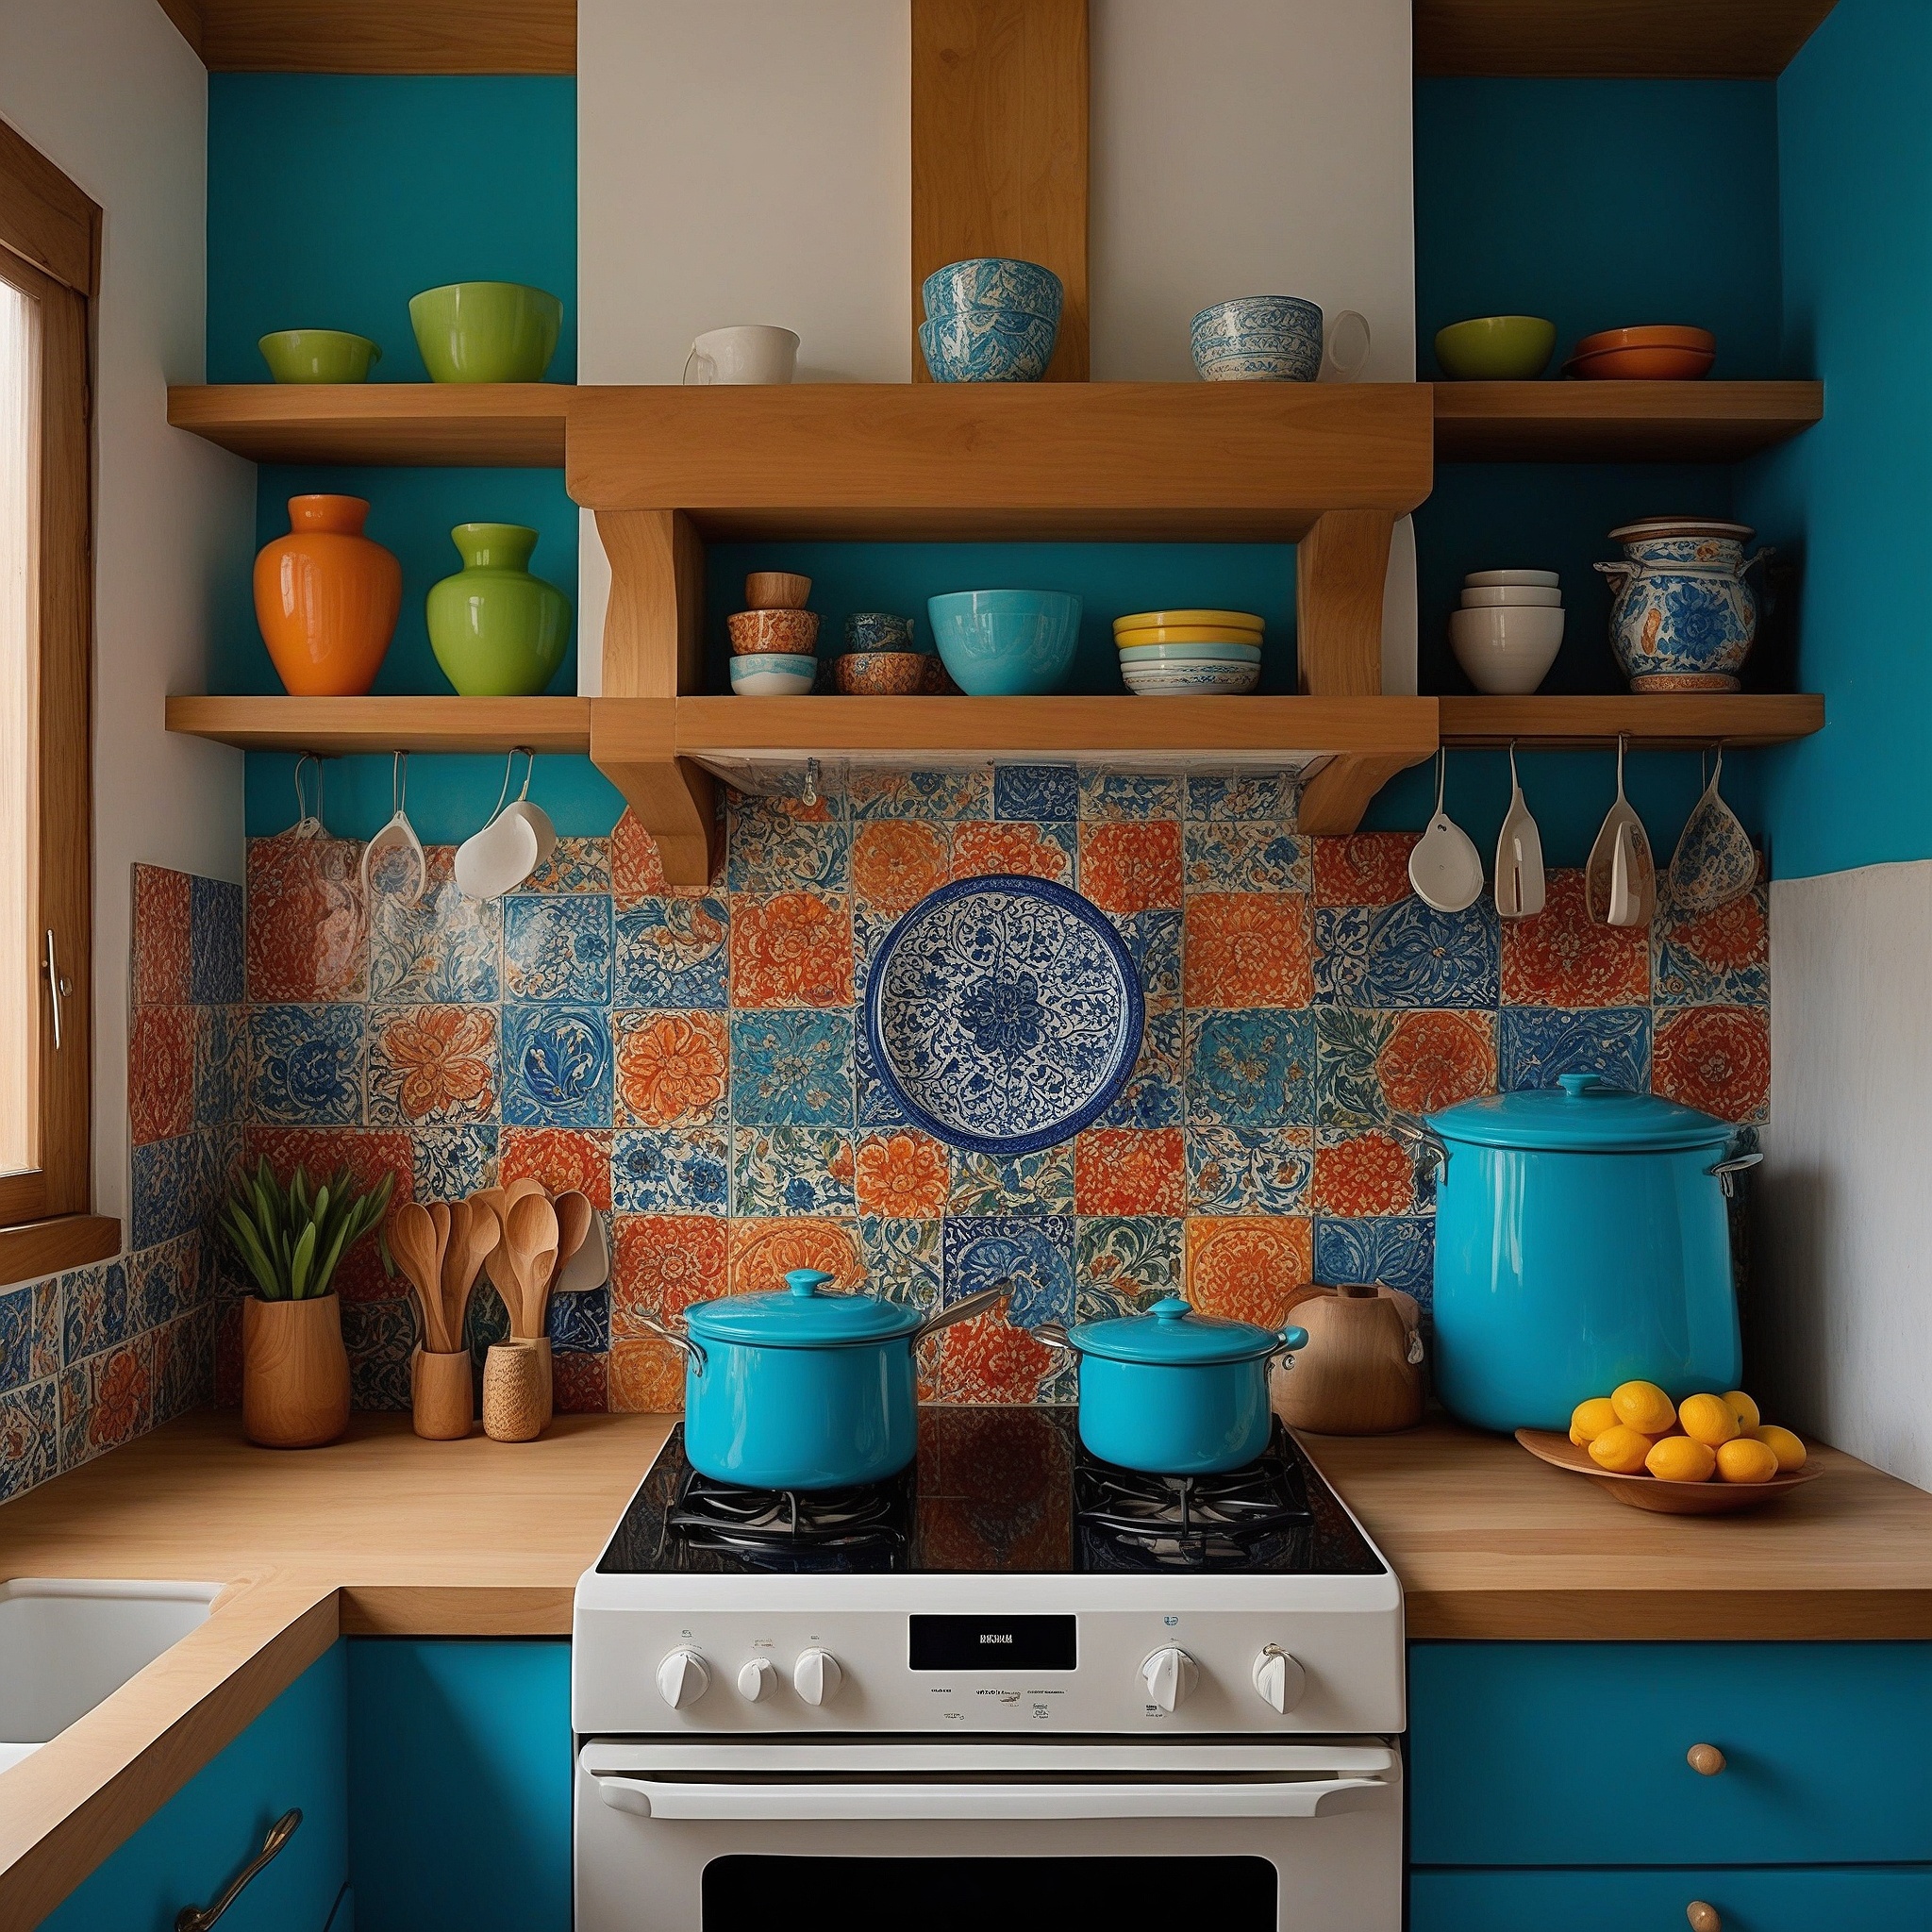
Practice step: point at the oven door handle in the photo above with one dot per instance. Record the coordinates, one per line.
(749, 1801)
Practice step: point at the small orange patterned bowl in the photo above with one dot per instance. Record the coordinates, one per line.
(879, 673)
(756, 632)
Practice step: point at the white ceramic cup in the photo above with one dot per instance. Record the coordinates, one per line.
(498, 858)
(752, 351)
(539, 822)
(1345, 347)
(1497, 579)
(1505, 652)
(1507, 597)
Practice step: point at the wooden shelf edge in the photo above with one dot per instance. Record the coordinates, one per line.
(1614, 39)
(35, 1248)
(1666, 722)
(340, 727)
(1606, 422)
(509, 424)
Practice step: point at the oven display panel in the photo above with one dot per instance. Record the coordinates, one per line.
(992, 1644)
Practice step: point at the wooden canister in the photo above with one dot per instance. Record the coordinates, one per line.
(514, 1392)
(443, 1393)
(1361, 1372)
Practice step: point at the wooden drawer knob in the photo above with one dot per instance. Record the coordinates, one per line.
(1703, 1918)
(1707, 1760)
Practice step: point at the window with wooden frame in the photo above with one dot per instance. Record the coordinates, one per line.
(49, 257)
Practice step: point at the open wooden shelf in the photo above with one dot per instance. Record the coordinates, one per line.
(499, 425)
(340, 727)
(1658, 40)
(1619, 421)
(1668, 720)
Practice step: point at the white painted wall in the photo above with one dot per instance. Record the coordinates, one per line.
(1842, 1318)
(110, 93)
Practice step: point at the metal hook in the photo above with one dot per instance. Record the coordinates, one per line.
(530, 770)
(811, 794)
(307, 823)
(398, 784)
(510, 764)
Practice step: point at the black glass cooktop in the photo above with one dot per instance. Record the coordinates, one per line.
(997, 1489)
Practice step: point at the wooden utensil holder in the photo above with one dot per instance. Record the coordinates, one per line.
(443, 1393)
(515, 1387)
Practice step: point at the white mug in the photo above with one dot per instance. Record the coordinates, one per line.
(751, 353)
(1345, 349)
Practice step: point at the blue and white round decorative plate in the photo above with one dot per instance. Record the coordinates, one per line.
(1004, 1013)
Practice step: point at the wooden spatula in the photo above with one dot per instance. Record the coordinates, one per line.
(530, 1240)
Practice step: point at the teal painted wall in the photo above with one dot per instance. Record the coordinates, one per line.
(1854, 494)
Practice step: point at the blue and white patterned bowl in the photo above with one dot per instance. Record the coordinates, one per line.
(1258, 339)
(1004, 1013)
(993, 281)
(1189, 654)
(772, 675)
(878, 630)
(989, 344)
(1190, 680)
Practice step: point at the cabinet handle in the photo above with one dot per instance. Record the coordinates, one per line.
(59, 986)
(199, 1917)
(1707, 1760)
(1703, 1918)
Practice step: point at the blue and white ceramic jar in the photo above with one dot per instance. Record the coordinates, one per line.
(993, 319)
(1684, 617)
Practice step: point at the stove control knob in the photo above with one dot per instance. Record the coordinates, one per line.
(754, 1680)
(816, 1676)
(682, 1678)
(1279, 1678)
(1168, 1675)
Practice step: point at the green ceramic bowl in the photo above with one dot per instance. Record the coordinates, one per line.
(318, 355)
(1497, 348)
(486, 331)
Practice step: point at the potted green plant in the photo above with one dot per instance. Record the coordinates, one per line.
(295, 1369)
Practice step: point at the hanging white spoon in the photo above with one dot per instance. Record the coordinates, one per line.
(1715, 861)
(405, 879)
(1619, 880)
(1445, 869)
(1519, 856)
(503, 855)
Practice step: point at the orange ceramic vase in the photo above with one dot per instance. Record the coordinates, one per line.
(326, 598)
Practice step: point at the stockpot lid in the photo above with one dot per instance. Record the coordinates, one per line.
(1172, 1333)
(1583, 1113)
(800, 1315)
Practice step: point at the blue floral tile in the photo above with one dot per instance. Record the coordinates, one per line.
(29, 1438)
(1720, 960)
(1349, 1099)
(221, 1064)
(45, 1358)
(671, 1169)
(964, 793)
(1043, 793)
(555, 1067)
(1248, 1170)
(1121, 1263)
(184, 1365)
(445, 948)
(1245, 795)
(306, 1065)
(452, 1163)
(381, 1337)
(16, 1337)
(1036, 1183)
(1036, 1255)
(1128, 795)
(869, 931)
(1408, 954)
(1539, 1042)
(1397, 1252)
(581, 1321)
(486, 1321)
(903, 1258)
(1152, 1097)
(95, 1311)
(878, 1105)
(214, 941)
(1235, 856)
(575, 865)
(167, 1191)
(1251, 1069)
(558, 947)
(163, 1282)
(674, 953)
(773, 849)
(1154, 943)
(792, 1067)
(778, 1171)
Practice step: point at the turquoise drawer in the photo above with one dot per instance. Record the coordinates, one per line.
(1574, 1754)
(1800, 1899)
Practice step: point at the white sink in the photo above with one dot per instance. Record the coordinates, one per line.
(65, 1645)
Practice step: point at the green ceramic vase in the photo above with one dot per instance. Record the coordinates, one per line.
(497, 631)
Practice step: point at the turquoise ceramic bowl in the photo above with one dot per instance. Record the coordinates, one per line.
(486, 331)
(318, 355)
(774, 675)
(1191, 654)
(1005, 643)
(994, 281)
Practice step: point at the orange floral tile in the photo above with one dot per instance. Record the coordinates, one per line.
(987, 1360)
(1733, 938)
(1365, 869)
(432, 1064)
(1717, 1059)
(1370, 1174)
(764, 1252)
(123, 1395)
(1432, 1060)
(663, 1264)
(160, 1073)
(646, 1377)
(1129, 1170)
(161, 951)
(904, 1176)
(985, 845)
(672, 1068)
(1249, 1268)
(1246, 949)
(1563, 957)
(896, 862)
(307, 936)
(561, 1157)
(636, 871)
(1131, 867)
(793, 949)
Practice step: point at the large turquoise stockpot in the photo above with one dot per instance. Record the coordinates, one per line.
(1581, 1242)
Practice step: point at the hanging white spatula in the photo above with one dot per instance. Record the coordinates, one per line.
(1445, 869)
(1620, 879)
(1519, 856)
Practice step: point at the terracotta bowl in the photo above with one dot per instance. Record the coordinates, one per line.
(1659, 364)
(1666, 1499)
(755, 633)
(879, 673)
(1655, 335)
(777, 590)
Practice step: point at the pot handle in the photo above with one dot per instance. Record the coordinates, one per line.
(1426, 1146)
(1619, 569)
(1053, 1335)
(1286, 1343)
(1736, 1165)
(1757, 558)
(692, 1350)
(962, 1311)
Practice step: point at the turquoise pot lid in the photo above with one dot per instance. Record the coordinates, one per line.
(1583, 1113)
(1172, 1333)
(800, 1315)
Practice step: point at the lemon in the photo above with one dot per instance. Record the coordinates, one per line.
(1680, 1460)
(1708, 1419)
(1643, 1406)
(1744, 1410)
(1783, 1444)
(1591, 1419)
(1621, 1450)
(1747, 1460)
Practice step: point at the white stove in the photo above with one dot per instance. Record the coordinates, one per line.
(1013, 1680)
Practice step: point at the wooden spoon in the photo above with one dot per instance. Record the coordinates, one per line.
(412, 1241)
(529, 1241)
(439, 1218)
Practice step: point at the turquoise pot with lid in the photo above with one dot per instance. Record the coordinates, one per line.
(1581, 1240)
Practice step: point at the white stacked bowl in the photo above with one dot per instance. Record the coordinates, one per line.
(1508, 630)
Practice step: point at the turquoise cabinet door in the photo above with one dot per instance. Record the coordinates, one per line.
(1804, 1899)
(1574, 1754)
(291, 1756)
(459, 1785)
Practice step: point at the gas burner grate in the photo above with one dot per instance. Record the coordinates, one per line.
(711, 1515)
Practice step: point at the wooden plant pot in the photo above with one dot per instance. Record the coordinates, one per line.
(294, 1373)
(442, 1394)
